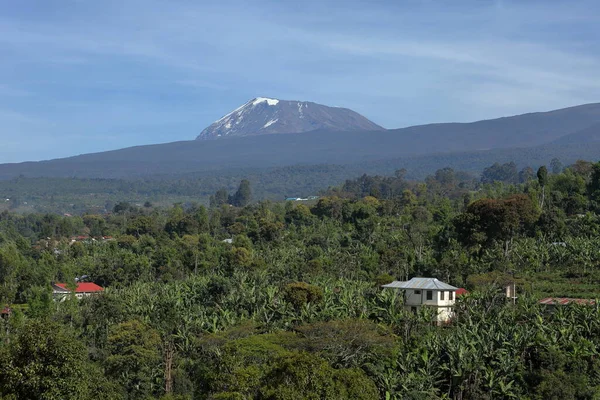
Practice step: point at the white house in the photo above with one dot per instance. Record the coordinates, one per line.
(427, 292)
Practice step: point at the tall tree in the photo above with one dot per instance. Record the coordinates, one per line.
(243, 196)
(221, 197)
(134, 355)
(542, 175)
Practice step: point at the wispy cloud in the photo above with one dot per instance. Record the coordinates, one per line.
(143, 71)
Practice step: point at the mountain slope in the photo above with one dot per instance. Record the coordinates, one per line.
(269, 116)
(311, 148)
(328, 147)
(525, 130)
(586, 135)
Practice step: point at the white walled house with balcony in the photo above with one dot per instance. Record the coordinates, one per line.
(427, 292)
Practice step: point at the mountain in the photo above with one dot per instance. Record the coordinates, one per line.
(460, 144)
(269, 116)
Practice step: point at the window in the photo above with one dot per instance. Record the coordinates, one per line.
(450, 294)
(417, 292)
(429, 295)
(442, 295)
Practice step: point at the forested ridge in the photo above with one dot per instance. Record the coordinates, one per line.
(282, 300)
(77, 195)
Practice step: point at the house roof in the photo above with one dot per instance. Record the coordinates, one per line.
(5, 311)
(420, 283)
(461, 291)
(82, 287)
(566, 300)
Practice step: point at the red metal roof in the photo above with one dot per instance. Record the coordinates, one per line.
(6, 311)
(461, 291)
(83, 287)
(566, 300)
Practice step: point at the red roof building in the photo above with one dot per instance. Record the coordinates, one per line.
(562, 301)
(60, 290)
(462, 292)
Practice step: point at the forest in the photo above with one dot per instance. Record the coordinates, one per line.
(246, 299)
(78, 188)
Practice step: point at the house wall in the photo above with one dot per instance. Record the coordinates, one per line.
(61, 295)
(416, 298)
(444, 314)
(413, 298)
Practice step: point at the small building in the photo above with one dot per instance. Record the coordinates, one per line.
(5, 312)
(83, 289)
(427, 292)
(553, 302)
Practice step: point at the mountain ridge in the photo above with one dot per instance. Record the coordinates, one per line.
(323, 146)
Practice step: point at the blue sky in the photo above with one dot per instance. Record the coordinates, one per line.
(81, 76)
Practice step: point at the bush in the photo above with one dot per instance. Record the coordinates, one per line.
(300, 293)
(383, 279)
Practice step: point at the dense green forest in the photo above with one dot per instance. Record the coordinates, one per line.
(282, 300)
(79, 188)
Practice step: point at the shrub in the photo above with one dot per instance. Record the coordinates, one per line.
(300, 293)
(383, 279)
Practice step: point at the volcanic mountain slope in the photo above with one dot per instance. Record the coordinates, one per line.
(587, 135)
(458, 145)
(269, 116)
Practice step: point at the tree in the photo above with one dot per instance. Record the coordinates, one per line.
(46, 361)
(134, 357)
(489, 220)
(306, 376)
(243, 195)
(556, 166)
(504, 173)
(300, 293)
(594, 183)
(582, 168)
(221, 197)
(526, 174)
(542, 175)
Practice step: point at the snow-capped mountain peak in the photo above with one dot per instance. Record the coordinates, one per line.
(263, 115)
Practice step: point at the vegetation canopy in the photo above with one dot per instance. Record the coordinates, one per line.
(283, 300)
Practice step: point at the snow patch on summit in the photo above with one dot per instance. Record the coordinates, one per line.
(271, 102)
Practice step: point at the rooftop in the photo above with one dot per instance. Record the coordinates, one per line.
(82, 287)
(420, 283)
(566, 300)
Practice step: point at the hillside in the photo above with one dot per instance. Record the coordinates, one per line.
(525, 130)
(586, 135)
(438, 142)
